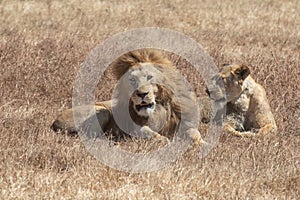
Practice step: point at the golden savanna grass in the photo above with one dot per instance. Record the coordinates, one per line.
(42, 45)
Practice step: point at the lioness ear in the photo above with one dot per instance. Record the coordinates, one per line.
(243, 71)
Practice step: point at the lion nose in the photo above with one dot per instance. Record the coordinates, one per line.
(142, 94)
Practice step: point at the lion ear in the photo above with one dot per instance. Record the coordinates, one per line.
(243, 71)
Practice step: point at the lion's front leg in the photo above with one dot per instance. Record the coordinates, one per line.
(148, 133)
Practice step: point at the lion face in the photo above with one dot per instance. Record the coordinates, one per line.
(142, 83)
(228, 83)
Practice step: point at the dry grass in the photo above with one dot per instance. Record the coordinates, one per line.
(42, 44)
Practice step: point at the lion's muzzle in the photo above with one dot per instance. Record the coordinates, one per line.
(144, 106)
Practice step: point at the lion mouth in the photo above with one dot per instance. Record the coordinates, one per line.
(144, 106)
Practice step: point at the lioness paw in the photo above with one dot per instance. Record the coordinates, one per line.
(244, 134)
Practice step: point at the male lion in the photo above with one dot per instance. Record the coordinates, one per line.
(151, 92)
(248, 110)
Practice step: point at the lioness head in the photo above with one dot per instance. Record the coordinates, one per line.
(228, 83)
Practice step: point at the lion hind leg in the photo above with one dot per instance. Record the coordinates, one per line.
(65, 120)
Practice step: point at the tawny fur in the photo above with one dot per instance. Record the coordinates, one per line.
(248, 111)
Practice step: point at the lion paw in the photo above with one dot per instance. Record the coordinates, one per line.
(194, 134)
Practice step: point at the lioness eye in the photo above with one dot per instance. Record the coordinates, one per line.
(219, 80)
(149, 77)
(224, 80)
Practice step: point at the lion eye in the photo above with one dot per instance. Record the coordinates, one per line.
(132, 80)
(149, 77)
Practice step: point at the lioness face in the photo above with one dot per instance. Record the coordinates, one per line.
(228, 83)
(143, 81)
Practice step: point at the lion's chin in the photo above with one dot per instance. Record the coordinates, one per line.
(145, 109)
